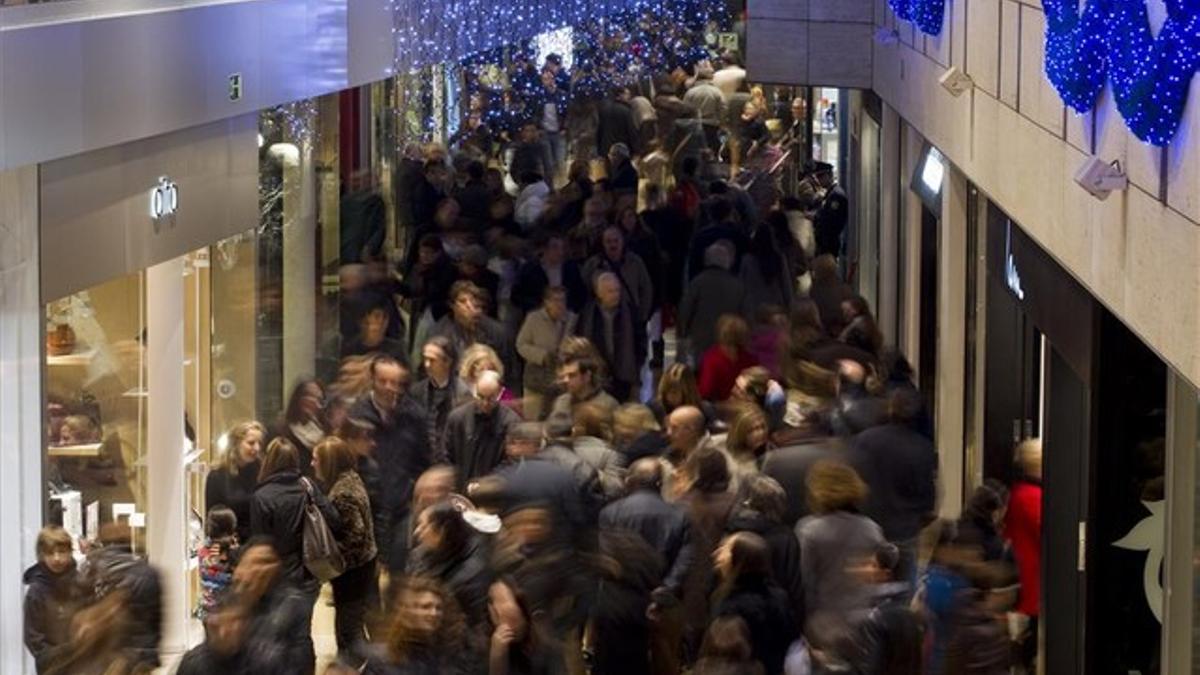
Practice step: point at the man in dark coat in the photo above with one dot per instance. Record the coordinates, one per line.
(401, 445)
(114, 567)
(612, 323)
(714, 293)
(474, 198)
(536, 275)
(763, 512)
(466, 323)
(899, 466)
(533, 478)
(828, 292)
(616, 124)
(789, 466)
(830, 220)
(663, 526)
(476, 431)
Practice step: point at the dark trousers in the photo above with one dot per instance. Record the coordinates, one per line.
(351, 591)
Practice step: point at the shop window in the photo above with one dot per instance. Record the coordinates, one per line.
(96, 408)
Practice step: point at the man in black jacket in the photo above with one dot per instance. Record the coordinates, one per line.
(476, 430)
(615, 123)
(401, 443)
(551, 267)
(899, 466)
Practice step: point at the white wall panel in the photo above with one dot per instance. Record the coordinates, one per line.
(1010, 51)
(1183, 172)
(1039, 100)
(983, 45)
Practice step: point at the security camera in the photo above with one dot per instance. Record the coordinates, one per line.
(1101, 178)
(956, 82)
(887, 36)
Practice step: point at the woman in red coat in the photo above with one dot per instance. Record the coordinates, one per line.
(724, 361)
(1023, 526)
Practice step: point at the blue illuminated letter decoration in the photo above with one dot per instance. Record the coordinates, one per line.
(925, 14)
(1111, 40)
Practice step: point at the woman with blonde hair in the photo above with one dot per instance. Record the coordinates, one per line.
(233, 482)
(479, 358)
(832, 541)
(746, 443)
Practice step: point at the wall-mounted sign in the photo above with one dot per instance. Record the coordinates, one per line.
(1012, 276)
(164, 198)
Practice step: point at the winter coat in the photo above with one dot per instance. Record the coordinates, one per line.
(635, 279)
(487, 331)
(50, 603)
(1024, 528)
(759, 290)
(466, 573)
(357, 541)
(543, 481)
(829, 544)
(899, 467)
(537, 343)
(789, 466)
(608, 463)
(616, 125)
(279, 629)
(474, 443)
(887, 639)
(709, 103)
(785, 553)
(438, 403)
(532, 280)
(719, 373)
(117, 568)
(278, 512)
(979, 643)
(234, 490)
(828, 295)
(625, 359)
(713, 293)
(565, 405)
(665, 527)
(764, 607)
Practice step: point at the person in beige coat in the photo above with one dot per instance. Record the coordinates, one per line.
(537, 342)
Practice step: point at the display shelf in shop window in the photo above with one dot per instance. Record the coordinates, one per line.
(81, 450)
(82, 358)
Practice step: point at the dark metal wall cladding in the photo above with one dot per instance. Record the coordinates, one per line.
(1057, 304)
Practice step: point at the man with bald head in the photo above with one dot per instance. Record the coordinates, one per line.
(612, 323)
(664, 526)
(476, 430)
(686, 433)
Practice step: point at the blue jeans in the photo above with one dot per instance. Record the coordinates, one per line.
(554, 148)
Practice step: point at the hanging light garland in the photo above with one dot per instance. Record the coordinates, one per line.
(927, 15)
(1111, 40)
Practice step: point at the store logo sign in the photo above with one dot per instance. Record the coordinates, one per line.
(1011, 275)
(164, 199)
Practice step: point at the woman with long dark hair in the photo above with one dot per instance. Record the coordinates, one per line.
(747, 591)
(426, 634)
(456, 554)
(334, 463)
(303, 421)
(277, 511)
(764, 270)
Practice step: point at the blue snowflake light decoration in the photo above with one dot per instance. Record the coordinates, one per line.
(927, 15)
(1111, 40)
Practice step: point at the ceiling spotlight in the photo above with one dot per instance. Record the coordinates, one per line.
(1101, 178)
(957, 82)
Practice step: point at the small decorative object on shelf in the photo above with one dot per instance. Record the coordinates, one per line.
(60, 340)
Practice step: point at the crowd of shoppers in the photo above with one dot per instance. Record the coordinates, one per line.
(521, 478)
